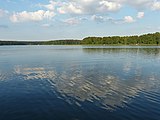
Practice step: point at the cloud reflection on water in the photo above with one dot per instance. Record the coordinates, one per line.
(109, 91)
(34, 73)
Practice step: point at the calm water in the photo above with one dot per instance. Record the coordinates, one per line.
(79, 83)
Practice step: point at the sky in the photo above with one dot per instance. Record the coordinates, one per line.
(77, 19)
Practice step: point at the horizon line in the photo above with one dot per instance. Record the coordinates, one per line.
(1, 39)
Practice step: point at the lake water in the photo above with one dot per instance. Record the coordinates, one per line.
(79, 83)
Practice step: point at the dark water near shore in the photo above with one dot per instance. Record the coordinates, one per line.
(79, 83)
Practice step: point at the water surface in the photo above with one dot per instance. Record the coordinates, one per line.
(79, 83)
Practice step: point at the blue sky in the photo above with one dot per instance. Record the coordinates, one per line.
(76, 19)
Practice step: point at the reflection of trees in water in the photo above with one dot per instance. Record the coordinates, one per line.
(144, 51)
(88, 83)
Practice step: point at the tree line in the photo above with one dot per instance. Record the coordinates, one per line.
(55, 42)
(146, 39)
(153, 39)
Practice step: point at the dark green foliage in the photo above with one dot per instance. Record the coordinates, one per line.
(62, 42)
(56, 42)
(18, 43)
(147, 39)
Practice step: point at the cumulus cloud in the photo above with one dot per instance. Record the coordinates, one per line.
(83, 6)
(98, 9)
(98, 6)
(143, 4)
(138, 3)
(71, 8)
(51, 6)
(72, 21)
(32, 16)
(101, 19)
(109, 6)
(156, 5)
(98, 18)
(129, 19)
(140, 15)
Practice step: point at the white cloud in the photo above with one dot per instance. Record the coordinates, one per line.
(83, 6)
(156, 5)
(109, 6)
(51, 6)
(144, 4)
(129, 19)
(126, 19)
(92, 7)
(71, 8)
(87, 1)
(72, 21)
(98, 18)
(95, 8)
(139, 3)
(140, 15)
(32, 16)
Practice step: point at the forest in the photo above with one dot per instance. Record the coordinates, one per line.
(146, 39)
(53, 42)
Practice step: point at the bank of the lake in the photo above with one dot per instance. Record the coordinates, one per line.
(152, 39)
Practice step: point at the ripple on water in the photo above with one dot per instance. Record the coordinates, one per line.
(109, 91)
(109, 94)
(112, 83)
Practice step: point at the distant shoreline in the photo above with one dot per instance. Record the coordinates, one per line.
(151, 39)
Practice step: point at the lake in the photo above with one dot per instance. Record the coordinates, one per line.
(79, 83)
